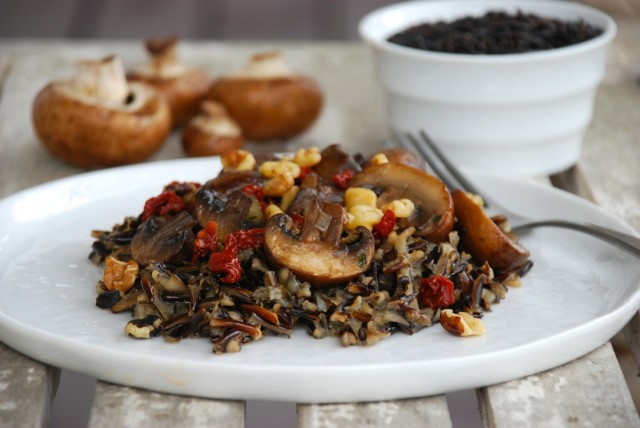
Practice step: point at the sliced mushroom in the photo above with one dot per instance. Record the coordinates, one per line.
(212, 132)
(483, 239)
(228, 212)
(316, 254)
(230, 181)
(312, 188)
(268, 99)
(433, 215)
(398, 155)
(161, 241)
(97, 119)
(183, 87)
(335, 161)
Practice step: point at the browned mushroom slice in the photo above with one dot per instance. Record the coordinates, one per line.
(334, 161)
(398, 155)
(483, 239)
(221, 199)
(228, 212)
(229, 181)
(161, 241)
(433, 215)
(312, 188)
(316, 254)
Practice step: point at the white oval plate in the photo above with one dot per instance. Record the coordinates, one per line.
(578, 295)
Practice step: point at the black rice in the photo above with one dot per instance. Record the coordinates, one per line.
(496, 33)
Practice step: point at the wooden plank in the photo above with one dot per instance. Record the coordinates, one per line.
(589, 391)
(611, 156)
(119, 406)
(418, 412)
(632, 334)
(27, 389)
(573, 180)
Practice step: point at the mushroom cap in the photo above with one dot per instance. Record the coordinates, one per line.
(335, 161)
(317, 261)
(212, 132)
(399, 155)
(183, 91)
(87, 133)
(483, 239)
(197, 142)
(433, 215)
(269, 108)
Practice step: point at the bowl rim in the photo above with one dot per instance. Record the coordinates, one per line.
(540, 7)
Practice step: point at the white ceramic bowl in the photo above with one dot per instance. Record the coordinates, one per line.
(522, 114)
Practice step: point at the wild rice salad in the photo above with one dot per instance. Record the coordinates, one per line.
(346, 246)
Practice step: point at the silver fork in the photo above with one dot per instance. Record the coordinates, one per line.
(453, 178)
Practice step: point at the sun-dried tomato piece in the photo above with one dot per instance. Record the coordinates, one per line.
(256, 191)
(304, 171)
(298, 220)
(243, 239)
(227, 262)
(343, 178)
(436, 292)
(206, 241)
(168, 202)
(383, 228)
(228, 265)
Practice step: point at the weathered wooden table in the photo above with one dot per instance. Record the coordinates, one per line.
(590, 391)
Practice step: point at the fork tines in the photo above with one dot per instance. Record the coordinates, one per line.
(442, 167)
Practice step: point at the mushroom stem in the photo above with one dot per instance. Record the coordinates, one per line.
(104, 79)
(163, 52)
(266, 65)
(215, 120)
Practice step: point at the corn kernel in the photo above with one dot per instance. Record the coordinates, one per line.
(363, 215)
(355, 196)
(307, 157)
(288, 197)
(402, 208)
(119, 275)
(379, 159)
(273, 168)
(271, 210)
(278, 185)
(238, 160)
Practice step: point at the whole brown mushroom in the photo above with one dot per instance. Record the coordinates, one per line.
(98, 119)
(184, 87)
(268, 99)
(212, 132)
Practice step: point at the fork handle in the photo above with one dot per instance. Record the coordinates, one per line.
(621, 240)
